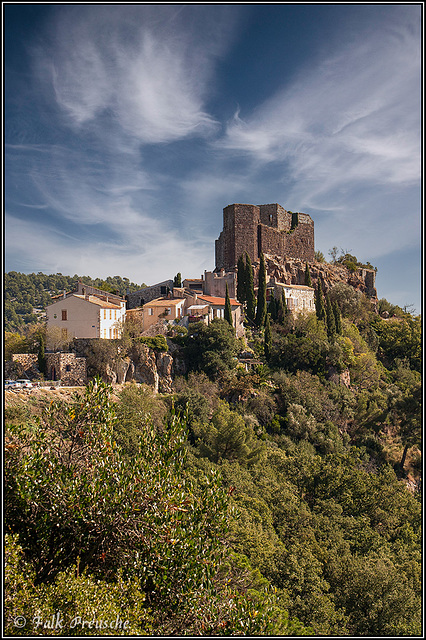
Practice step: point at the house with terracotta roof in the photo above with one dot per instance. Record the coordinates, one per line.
(169, 309)
(85, 315)
(211, 307)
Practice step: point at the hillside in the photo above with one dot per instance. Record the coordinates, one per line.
(27, 295)
(281, 499)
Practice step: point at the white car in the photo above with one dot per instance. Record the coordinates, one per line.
(9, 385)
(25, 384)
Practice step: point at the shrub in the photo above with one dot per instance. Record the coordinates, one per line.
(158, 343)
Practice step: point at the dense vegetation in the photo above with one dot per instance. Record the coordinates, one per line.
(267, 501)
(25, 293)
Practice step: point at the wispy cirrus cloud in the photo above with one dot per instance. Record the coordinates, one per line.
(145, 68)
(354, 117)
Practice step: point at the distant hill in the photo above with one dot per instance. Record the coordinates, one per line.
(27, 295)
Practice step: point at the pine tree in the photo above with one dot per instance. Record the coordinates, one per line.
(228, 309)
(251, 298)
(308, 281)
(267, 344)
(241, 280)
(337, 317)
(319, 302)
(177, 280)
(261, 294)
(331, 325)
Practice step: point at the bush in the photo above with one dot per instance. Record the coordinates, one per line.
(157, 343)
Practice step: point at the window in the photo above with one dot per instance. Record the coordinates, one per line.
(110, 314)
(163, 291)
(150, 312)
(104, 314)
(67, 367)
(115, 314)
(64, 314)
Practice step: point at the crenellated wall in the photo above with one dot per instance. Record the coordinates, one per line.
(265, 228)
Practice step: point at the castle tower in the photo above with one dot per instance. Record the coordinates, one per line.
(265, 228)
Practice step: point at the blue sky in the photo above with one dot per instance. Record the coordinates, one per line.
(129, 128)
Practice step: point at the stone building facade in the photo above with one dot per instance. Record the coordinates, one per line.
(265, 228)
(147, 294)
(70, 369)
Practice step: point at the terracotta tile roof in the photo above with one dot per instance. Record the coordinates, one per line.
(294, 286)
(219, 302)
(164, 302)
(95, 300)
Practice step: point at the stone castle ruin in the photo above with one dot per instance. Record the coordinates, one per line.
(264, 228)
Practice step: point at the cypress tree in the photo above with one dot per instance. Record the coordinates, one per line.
(319, 302)
(41, 358)
(241, 280)
(273, 308)
(261, 294)
(331, 325)
(282, 309)
(267, 344)
(228, 309)
(308, 281)
(251, 298)
(337, 317)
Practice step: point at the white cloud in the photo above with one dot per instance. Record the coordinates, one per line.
(148, 68)
(149, 255)
(354, 117)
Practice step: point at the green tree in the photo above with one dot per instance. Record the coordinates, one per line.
(273, 308)
(267, 343)
(337, 317)
(331, 323)
(41, 358)
(308, 281)
(228, 309)
(241, 280)
(319, 302)
(228, 437)
(251, 298)
(261, 294)
(211, 348)
(177, 280)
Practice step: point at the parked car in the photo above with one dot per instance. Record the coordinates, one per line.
(25, 384)
(9, 385)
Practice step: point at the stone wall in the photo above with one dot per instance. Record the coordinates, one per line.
(139, 298)
(263, 228)
(66, 367)
(215, 283)
(70, 369)
(28, 361)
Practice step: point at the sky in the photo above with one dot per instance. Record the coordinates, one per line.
(128, 129)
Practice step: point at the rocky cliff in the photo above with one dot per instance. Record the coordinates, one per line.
(292, 271)
(140, 363)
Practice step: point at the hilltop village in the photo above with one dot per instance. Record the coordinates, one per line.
(284, 238)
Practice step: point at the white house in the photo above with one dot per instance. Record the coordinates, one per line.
(299, 297)
(87, 316)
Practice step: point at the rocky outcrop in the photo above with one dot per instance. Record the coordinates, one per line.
(292, 271)
(141, 363)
